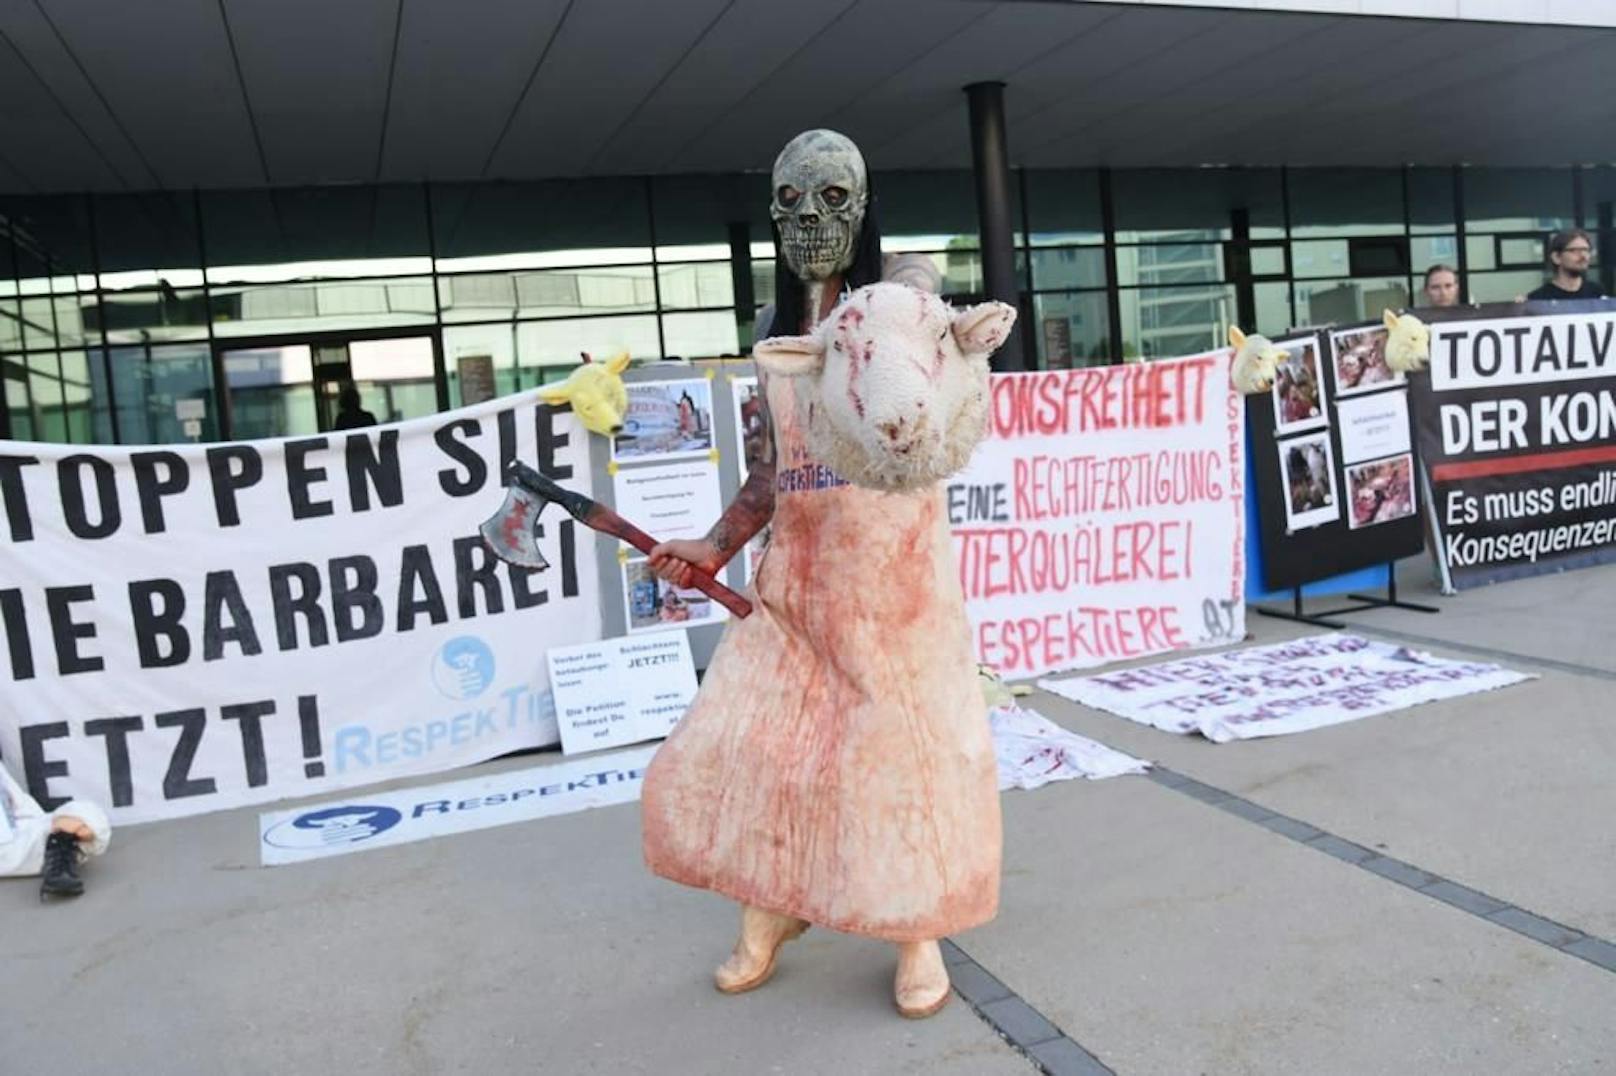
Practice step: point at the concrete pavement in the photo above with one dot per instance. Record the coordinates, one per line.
(1158, 932)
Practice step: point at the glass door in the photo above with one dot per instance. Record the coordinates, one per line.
(293, 388)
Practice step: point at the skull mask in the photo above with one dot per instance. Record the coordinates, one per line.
(821, 192)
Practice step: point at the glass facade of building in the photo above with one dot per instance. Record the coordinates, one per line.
(149, 318)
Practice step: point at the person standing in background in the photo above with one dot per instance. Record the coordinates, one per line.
(1441, 285)
(1570, 252)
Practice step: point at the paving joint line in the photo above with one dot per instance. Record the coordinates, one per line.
(1028, 1031)
(1486, 651)
(1597, 951)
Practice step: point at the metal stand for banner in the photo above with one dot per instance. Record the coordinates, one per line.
(1365, 601)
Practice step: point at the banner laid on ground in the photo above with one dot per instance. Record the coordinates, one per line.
(1031, 751)
(194, 627)
(1103, 517)
(1286, 687)
(383, 819)
(1517, 425)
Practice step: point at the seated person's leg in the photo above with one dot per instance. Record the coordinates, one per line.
(78, 830)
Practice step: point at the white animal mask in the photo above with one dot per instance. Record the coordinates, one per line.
(1408, 342)
(892, 388)
(821, 193)
(1256, 361)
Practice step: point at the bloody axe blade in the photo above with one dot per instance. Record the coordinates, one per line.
(510, 531)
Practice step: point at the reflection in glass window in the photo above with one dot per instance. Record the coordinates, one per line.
(393, 377)
(1159, 323)
(705, 284)
(1064, 206)
(159, 314)
(1068, 267)
(703, 335)
(147, 382)
(1327, 202)
(1072, 329)
(470, 343)
(271, 391)
(53, 321)
(1170, 263)
(1342, 302)
(1504, 287)
(1273, 309)
(558, 343)
(1166, 204)
(1428, 250)
(1517, 199)
(261, 310)
(10, 325)
(19, 408)
(46, 396)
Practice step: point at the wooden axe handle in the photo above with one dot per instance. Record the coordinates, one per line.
(601, 518)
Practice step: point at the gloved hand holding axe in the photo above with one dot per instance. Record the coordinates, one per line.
(509, 532)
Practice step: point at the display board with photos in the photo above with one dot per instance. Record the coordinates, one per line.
(1333, 452)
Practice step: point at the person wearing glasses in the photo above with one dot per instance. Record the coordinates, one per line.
(1570, 253)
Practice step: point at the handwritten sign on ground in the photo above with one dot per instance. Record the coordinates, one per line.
(1287, 687)
(1103, 518)
(196, 627)
(621, 691)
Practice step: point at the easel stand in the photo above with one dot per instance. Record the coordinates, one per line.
(1365, 601)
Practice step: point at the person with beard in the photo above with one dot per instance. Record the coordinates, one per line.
(1570, 252)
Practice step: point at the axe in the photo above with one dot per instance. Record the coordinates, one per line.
(509, 532)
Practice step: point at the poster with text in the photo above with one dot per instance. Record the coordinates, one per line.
(196, 627)
(670, 500)
(1103, 517)
(1517, 428)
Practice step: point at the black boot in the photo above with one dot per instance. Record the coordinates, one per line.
(61, 867)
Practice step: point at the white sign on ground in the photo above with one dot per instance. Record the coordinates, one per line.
(621, 691)
(382, 819)
(196, 627)
(1286, 687)
(1033, 751)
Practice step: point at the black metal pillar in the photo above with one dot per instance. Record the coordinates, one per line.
(740, 269)
(990, 160)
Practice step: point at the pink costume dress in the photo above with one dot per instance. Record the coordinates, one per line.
(837, 764)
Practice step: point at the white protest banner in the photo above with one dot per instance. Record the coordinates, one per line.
(195, 627)
(1102, 519)
(621, 691)
(1286, 687)
(382, 819)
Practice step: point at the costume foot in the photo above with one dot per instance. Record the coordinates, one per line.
(921, 987)
(61, 874)
(752, 962)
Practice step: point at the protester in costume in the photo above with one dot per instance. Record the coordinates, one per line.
(49, 843)
(836, 767)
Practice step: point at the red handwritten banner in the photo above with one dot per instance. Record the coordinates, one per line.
(1103, 518)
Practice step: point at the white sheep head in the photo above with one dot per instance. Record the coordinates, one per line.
(1408, 342)
(1256, 361)
(892, 388)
